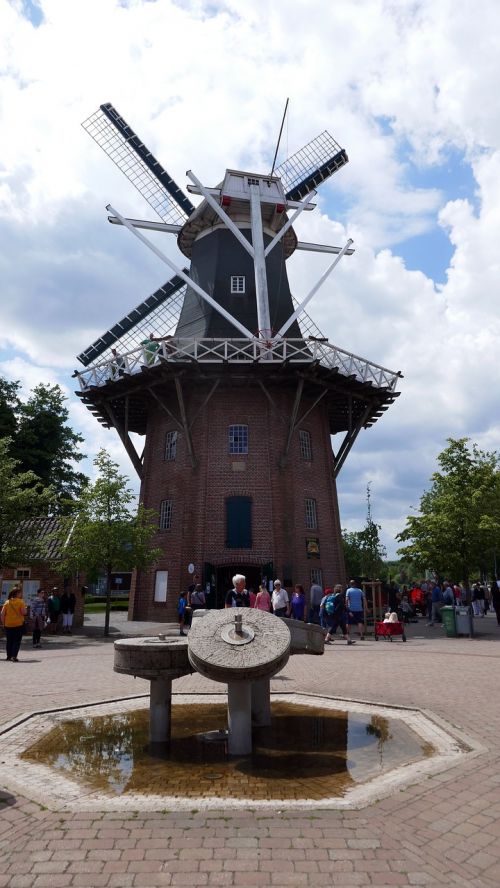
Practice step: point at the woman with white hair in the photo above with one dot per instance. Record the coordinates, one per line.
(238, 595)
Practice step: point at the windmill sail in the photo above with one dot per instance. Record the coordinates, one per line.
(159, 312)
(312, 165)
(116, 138)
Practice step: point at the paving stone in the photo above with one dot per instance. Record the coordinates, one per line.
(441, 831)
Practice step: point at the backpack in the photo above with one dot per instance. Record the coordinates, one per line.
(333, 603)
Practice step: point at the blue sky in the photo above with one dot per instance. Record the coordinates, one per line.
(410, 90)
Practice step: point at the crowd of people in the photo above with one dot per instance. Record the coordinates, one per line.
(333, 608)
(346, 608)
(428, 597)
(49, 611)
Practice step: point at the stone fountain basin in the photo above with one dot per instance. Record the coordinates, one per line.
(153, 657)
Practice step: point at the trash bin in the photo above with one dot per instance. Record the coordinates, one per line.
(463, 620)
(448, 617)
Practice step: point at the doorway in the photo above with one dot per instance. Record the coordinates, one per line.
(224, 574)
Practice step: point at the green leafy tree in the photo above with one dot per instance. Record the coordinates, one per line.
(21, 497)
(46, 445)
(459, 517)
(103, 534)
(9, 407)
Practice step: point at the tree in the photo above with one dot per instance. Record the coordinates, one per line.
(9, 407)
(459, 517)
(102, 532)
(21, 498)
(363, 551)
(46, 445)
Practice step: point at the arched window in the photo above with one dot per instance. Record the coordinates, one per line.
(239, 522)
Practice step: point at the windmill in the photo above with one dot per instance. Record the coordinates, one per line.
(234, 387)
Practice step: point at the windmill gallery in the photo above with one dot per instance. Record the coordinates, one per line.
(234, 388)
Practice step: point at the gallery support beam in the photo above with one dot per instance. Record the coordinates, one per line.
(125, 439)
(349, 440)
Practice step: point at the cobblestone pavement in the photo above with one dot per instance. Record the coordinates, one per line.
(442, 831)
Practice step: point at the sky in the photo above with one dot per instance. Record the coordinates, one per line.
(410, 89)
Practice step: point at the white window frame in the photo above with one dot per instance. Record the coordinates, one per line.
(317, 576)
(238, 284)
(311, 510)
(166, 509)
(171, 439)
(305, 445)
(23, 573)
(238, 441)
(161, 586)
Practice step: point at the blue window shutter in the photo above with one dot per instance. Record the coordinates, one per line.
(239, 522)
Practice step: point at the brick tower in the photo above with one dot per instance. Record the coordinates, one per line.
(236, 399)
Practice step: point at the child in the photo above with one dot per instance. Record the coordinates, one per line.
(181, 607)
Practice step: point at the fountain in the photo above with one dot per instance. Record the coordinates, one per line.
(245, 655)
(241, 647)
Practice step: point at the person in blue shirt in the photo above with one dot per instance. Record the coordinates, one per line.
(355, 600)
(437, 603)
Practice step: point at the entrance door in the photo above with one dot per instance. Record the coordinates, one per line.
(224, 579)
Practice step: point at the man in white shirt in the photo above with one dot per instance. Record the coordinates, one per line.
(279, 600)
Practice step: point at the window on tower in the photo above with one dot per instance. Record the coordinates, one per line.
(238, 439)
(165, 514)
(305, 444)
(238, 284)
(317, 576)
(239, 522)
(171, 445)
(311, 514)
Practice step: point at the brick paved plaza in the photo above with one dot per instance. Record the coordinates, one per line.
(442, 831)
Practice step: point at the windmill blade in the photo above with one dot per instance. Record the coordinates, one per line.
(160, 312)
(116, 138)
(310, 166)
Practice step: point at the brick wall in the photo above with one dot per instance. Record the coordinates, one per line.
(278, 492)
(47, 578)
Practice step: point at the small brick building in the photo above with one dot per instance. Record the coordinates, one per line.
(39, 572)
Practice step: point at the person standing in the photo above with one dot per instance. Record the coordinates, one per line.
(54, 609)
(298, 604)
(68, 604)
(38, 613)
(181, 610)
(315, 596)
(12, 618)
(495, 598)
(279, 600)
(263, 599)
(238, 595)
(355, 601)
(437, 603)
(198, 598)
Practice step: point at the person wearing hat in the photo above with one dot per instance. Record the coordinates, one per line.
(280, 600)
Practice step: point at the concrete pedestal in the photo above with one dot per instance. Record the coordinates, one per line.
(261, 703)
(239, 718)
(160, 710)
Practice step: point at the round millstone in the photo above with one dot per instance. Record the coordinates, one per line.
(261, 657)
(152, 657)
